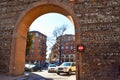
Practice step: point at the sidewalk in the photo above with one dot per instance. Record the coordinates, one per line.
(5, 77)
(72, 78)
(26, 76)
(33, 76)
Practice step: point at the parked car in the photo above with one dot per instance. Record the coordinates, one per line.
(32, 67)
(45, 65)
(52, 68)
(66, 67)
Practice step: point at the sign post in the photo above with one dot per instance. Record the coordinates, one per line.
(80, 50)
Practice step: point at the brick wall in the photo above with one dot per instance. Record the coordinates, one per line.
(100, 33)
(99, 30)
(10, 11)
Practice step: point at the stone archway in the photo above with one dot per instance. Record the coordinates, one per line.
(22, 26)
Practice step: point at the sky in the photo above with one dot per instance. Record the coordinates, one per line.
(48, 22)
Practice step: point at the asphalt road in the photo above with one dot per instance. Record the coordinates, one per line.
(54, 76)
(40, 75)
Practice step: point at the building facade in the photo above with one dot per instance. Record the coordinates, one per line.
(38, 49)
(64, 47)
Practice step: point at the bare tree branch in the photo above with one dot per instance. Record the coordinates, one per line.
(59, 30)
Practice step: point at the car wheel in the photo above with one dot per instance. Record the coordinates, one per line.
(31, 70)
(40, 70)
(48, 71)
(58, 73)
(69, 72)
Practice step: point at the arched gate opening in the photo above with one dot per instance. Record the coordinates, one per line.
(23, 24)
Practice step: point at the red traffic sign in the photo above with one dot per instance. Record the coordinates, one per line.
(80, 48)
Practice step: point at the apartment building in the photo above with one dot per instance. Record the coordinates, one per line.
(64, 45)
(38, 50)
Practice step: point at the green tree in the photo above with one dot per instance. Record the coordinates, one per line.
(29, 43)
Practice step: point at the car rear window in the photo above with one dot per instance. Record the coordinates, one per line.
(52, 65)
(66, 64)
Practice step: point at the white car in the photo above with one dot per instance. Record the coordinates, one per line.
(52, 68)
(66, 67)
(32, 67)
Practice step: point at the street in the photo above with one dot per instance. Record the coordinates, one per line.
(54, 76)
(40, 75)
(48, 76)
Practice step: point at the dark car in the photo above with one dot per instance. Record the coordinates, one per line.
(32, 67)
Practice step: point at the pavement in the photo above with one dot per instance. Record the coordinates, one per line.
(26, 76)
(30, 76)
(6, 77)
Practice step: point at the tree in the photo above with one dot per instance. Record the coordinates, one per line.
(58, 32)
(29, 42)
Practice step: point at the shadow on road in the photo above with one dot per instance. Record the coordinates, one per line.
(65, 74)
(32, 76)
(25, 76)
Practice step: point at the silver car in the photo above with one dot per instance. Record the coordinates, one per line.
(52, 68)
(66, 67)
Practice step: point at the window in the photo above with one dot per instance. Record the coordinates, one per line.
(73, 38)
(33, 40)
(62, 56)
(39, 40)
(71, 47)
(71, 56)
(32, 45)
(66, 43)
(36, 34)
(69, 38)
(66, 56)
(66, 47)
(32, 51)
(62, 47)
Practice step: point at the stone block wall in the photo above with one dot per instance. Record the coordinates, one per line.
(10, 10)
(100, 33)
